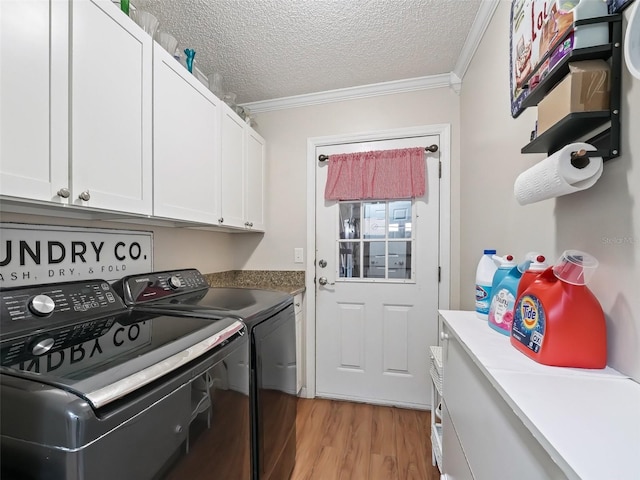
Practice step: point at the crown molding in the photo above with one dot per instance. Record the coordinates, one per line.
(352, 93)
(480, 24)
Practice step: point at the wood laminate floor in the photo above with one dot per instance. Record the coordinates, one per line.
(356, 441)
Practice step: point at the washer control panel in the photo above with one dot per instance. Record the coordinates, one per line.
(139, 289)
(30, 309)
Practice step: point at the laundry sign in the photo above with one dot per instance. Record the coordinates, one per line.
(34, 254)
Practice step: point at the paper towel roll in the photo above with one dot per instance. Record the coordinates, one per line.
(555, 176)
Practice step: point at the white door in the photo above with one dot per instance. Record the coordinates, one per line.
(377, 313)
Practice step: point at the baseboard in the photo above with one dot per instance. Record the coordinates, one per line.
(381, 402)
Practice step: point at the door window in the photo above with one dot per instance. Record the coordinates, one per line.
(376, 240)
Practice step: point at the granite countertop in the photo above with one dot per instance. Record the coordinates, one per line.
(289, 281)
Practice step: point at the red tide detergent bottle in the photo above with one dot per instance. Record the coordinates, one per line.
(557, 320)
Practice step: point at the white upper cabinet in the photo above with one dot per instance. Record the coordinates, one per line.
(186, 144)
(242, 174)
(33, 99)
(255, 194)
(94, 114)
(76, 105)
(111, 109)
(232, 159)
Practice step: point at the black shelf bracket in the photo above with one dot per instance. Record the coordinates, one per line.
(580, 124)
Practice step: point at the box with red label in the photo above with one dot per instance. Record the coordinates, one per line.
(542, 34)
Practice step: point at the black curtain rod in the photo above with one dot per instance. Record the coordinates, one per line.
(431, 148)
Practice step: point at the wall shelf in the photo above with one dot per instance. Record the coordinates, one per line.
(580, 124)
(601, 52)
(572, 126)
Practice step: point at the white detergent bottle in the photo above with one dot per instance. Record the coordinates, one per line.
(484, 277)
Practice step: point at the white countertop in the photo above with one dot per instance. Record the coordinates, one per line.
(588, 421)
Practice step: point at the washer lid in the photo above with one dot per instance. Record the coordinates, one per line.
(250, 305)
(116, 355)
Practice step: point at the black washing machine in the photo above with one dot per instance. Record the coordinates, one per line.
(270, 366)
(92, 390)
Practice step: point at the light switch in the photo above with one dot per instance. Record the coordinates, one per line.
(298, 255)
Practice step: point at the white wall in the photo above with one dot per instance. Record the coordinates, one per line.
(603, 221)
(173, 248)
(287, 132)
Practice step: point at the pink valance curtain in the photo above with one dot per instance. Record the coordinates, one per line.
(382, 175)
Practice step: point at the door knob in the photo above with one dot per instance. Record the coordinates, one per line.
(324, 281)
(63, 192)
(85, 196)
(322, 263)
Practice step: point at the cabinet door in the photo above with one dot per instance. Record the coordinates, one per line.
(494, 440)
(232, 164)
(255, 161)
(110, 109)
(299, 313)
(454, 463)
(34, 140)
(186, 144)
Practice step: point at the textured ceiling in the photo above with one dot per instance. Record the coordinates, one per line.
(267, 49)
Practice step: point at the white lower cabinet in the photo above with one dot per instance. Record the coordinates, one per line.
(455, 466)
(299, 313)
(186, 139)
(480, 428)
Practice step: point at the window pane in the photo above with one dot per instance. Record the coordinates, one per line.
(349, 220)
(349, 259)
(375, 224)
(400, 260)
(400, 219)
(374, 260)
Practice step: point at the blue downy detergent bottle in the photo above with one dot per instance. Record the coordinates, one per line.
(503, 302)
(484, 275)
(505, 264)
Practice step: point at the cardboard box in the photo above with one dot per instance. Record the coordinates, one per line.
(584, 89)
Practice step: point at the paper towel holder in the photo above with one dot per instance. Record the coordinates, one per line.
(580, 158)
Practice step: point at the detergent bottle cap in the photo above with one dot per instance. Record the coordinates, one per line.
(539, 264)
(505, 262)
(575, 267)
(490, 252)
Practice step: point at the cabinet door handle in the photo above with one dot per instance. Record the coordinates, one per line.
(251, 224)
(85, 196)
(63, 192)
(444, 336)
(221, 220)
